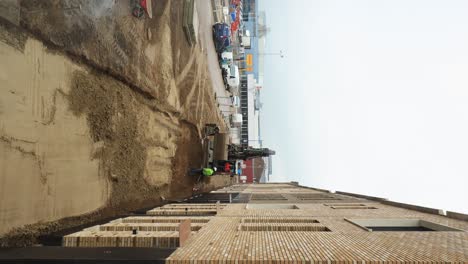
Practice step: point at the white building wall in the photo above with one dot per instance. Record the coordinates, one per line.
(252, 114)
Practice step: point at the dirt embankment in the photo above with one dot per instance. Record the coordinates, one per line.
(102, 119)
(47, 170)
(122, 138)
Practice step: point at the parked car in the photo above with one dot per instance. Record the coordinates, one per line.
(221, 36)
(224, 73)
(235, 101)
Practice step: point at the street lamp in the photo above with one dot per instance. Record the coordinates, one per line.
(280, 53)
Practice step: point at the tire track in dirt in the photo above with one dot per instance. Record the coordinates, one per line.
(131, 28)
(193, 101)
(114, 47)
(193, 78)
(188, 67)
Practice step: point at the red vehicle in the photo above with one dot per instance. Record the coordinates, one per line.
(140, 6)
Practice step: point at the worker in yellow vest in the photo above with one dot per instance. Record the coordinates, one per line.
(203, 171)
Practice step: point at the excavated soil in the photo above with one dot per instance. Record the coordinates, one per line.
(189, 144)
(142, 93)
(111, 112)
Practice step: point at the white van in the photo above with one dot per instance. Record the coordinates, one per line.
(232, 78)
(235, 120)
(227, 57)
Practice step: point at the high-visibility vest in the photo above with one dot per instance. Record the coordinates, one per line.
(208, 171)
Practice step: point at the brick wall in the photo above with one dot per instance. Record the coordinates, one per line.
(317, 232)
(284, 223)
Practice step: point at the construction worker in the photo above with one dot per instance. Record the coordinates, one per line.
(222, 165)
(208, 171)
(203, 171)
(227, 167)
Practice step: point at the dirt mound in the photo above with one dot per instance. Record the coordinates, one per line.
(111, 111)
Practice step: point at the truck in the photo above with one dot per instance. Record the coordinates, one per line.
(235, 120)
(231, 77)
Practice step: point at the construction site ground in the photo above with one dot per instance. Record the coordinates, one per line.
(101, 113)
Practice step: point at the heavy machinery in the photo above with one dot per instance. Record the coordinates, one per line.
(236, 152)
(211, 130)
(218, 148)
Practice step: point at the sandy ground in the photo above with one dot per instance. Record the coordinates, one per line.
(35, 130)
(100, 112)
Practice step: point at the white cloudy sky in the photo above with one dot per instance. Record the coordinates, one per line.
(372, 97)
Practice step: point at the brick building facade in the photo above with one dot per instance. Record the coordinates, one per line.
(285, 223)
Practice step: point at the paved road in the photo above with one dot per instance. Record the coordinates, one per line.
(206, 20)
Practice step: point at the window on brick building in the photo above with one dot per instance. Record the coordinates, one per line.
(281, 224)
(283, 227)
(399, 225)
(350, 206)
(316, 196)
(267, 197)
(271, 206)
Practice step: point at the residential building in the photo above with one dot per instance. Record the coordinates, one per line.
(287, 223)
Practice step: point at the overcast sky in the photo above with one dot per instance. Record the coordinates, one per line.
(372, 97)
